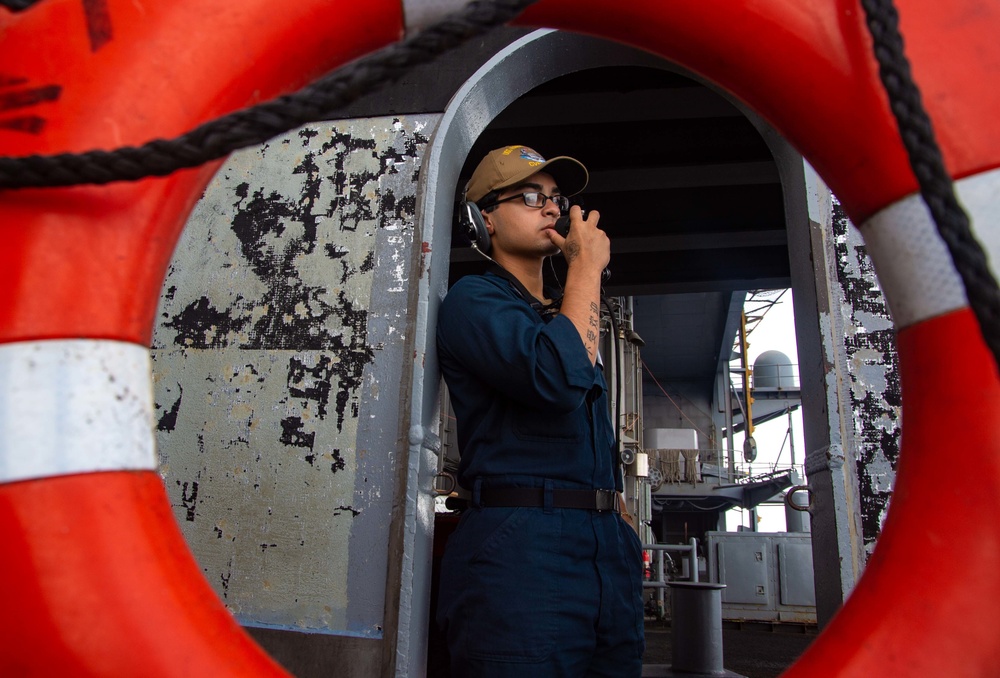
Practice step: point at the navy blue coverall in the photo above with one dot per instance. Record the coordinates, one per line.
(531, 591)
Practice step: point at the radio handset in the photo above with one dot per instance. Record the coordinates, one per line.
(562, 228)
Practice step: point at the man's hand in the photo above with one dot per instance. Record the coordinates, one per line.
(586, 247)
(623, 510)
(587, 250)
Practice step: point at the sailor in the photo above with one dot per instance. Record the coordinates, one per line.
(542, 576)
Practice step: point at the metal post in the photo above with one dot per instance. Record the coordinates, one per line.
(791, 438)
(696, 614)
(694, 559)
(730, 442)
(660, 579)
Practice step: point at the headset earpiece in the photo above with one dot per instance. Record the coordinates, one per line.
(471, 219)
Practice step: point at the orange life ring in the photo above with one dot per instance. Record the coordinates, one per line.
(81, 268)
(105, 582)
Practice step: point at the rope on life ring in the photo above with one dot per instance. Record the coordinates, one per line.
(255, 125)
(936, 188)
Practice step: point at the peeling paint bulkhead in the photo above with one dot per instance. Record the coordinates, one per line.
(281, 337)
(873, 370)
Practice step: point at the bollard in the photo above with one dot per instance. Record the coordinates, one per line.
(696, 623)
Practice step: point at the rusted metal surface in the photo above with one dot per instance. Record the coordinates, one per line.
(282, 333)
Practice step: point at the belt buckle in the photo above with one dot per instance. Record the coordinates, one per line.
(605, 500)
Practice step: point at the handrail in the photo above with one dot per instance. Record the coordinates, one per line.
(784, 375)
(660, 582)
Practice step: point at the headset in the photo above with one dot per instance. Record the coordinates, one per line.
(470, 218)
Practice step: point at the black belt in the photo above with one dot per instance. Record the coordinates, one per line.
(534, 497)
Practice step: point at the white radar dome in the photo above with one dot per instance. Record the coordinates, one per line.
(773, 369)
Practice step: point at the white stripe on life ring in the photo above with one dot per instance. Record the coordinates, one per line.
(914, 268)
(74, 406)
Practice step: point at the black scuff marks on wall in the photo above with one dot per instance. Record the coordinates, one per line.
(350, 509)
(875, 442)
(349, 186)
(368, 264)
(410, 148)
(339, 254)
(353, 355)
(347, 364)
(306, 134)
(307, 201)
(293, 435)
(259, 225)
(189, 499)
(296, 315)
(352, 210)
(275, 234)
(169, 419)
(336, 251)
(240, 440)
(200, 325)
(403, 210)
(224, 578)
(312, 383)
(391, 209)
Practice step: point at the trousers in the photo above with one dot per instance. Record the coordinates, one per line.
(543, 593)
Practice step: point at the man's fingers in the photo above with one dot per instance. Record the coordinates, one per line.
(591, 219)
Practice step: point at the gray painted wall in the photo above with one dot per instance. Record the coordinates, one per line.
(283, 328)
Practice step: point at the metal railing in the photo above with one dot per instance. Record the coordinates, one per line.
(779, 377)
(659, 581)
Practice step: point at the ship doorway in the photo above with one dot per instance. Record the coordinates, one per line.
(696, 192)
